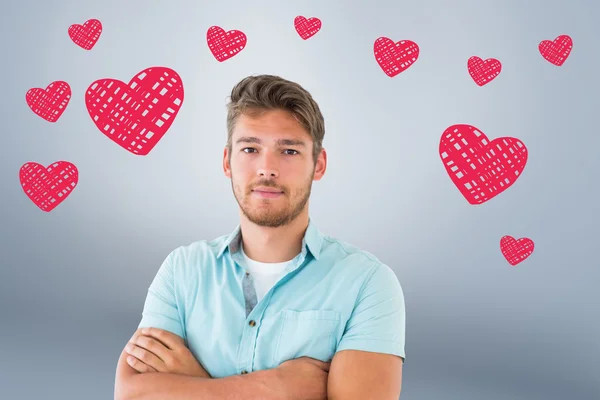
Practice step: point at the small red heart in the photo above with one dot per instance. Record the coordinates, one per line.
(136, 115)
(483, 72)
(86, 35)
(47, 187)
(516, 251)
(557, 51)
(225, 45)
(481, 169)
(307, 27)
(394, 58)
(51, 102)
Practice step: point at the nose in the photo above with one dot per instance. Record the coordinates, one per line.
(268, 166)
(268, 172)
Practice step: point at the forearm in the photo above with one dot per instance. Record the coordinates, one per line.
(259, 385)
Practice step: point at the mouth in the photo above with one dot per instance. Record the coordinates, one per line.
(267, 194)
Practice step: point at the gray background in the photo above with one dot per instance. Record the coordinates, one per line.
(73, 281)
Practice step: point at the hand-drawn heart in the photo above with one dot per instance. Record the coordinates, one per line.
(86, 35)
(556, 51)
(516, 251)
(49, 103)
(481, 169)
(307, 27)
(394, 58)
(47, 187)
(483, 72)
(225, 45)
(138, 114)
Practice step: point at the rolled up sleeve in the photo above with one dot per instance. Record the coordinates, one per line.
(378, 321)
(160, 307)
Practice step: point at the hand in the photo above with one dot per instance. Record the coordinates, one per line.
(323, 365)
(304, 378)
(158, 350)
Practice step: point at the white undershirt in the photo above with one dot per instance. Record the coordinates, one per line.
(265, 275)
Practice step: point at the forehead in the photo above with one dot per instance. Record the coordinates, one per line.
(270, 125)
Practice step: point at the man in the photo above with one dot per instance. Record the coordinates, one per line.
(275, 309)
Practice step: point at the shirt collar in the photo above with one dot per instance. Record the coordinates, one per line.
(312, 240)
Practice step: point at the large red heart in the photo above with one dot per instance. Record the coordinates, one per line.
(48, 186)
(49, 103)
(516, 251)
(481, 169)
(483, 72)
(136, 115)
(394, 58)
(225, 45)
(86, 35)
(556, 51)
(307, 27)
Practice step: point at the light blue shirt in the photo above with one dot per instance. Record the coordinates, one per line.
(331, 297)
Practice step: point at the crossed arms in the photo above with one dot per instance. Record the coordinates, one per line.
(156, 365)
(352, 375)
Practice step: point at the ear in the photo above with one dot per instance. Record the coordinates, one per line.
(321, 165)
(226, 165)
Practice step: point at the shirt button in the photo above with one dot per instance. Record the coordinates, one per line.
(247, 273)
(252, 323)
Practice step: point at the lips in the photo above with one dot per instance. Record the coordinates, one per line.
(267, 193)
(267, 190)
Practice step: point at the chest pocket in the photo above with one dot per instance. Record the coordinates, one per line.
(310, 333)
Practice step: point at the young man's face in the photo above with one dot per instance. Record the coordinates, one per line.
(287, 167)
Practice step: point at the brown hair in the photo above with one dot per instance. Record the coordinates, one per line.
(258, 93)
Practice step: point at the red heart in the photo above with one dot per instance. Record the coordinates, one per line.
(482, 71)
(557, 51)
(307, 27)
(136, 115)
(51, 102)
(516, 251)
(481, 169)
(225, 45)
(394, 58)
(86, 35)
(48, 187)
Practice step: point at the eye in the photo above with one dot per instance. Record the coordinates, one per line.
(252, 148)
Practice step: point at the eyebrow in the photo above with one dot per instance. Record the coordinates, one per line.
(280, 142)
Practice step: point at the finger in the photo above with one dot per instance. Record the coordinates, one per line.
(324, 365)
(319, 363)
(152, 346)
(145, 356)
(167, 338)
(135, 335)
(138, 365)
(314, 360)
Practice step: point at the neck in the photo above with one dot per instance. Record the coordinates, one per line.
(271, 245)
